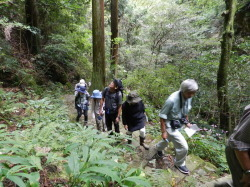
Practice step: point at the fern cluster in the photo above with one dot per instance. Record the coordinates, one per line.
(47, 138)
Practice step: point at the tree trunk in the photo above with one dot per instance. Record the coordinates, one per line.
(114, 35)
(99, 65)
(222, 81)
(32, 39)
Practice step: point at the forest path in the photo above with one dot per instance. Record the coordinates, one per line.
(163, 172)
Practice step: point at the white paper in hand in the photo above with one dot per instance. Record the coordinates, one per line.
(193, 129)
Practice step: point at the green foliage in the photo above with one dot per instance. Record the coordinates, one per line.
(17, 169)
(209, 144)
(152, 114)
(40, 106)
(162, 43)
(182, 48)
(154, 86)
(87, 156)
(11, 72)
(92, 167)
(5, 23)
(65, 54)
(62, 16)
(154, 129)
(10, 104)
(206, 4)
(118, 40)
(239, 83)
(9, 65)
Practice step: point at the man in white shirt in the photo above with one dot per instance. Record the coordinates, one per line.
(173, 116)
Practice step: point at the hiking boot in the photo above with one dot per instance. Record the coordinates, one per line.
(143, 144)
(129, 141)
(183, 169)
(160, 154)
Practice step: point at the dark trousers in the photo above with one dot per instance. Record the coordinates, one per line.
(110, 118)
(81, 112)
(234, 166)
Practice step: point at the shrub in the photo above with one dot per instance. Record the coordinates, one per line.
(209, 144)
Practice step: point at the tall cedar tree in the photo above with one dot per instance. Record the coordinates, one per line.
(114, 35)
(98, 74)
(31, 13)
(222, 76)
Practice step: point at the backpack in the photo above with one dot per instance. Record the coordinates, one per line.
(83, 104)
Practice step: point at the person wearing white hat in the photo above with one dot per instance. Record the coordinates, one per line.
(100, 122)
(80, 83)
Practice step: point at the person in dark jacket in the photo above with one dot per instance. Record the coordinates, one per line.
(133, 117)
(238, 151)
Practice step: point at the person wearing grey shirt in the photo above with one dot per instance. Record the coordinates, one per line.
(173, 116)
(238, 151)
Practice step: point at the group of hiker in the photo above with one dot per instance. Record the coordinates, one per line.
(172, 116)
(108, 110)
(107, 107)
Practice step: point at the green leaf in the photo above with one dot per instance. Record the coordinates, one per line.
(73, 163)
(19, 168)
(85, 153)
(138, 181)
(94, 154)
(108, 163)
(105, 171)
(11, 149)
(71, 147)
(52, 157)
(35, 161)
(130, 172)
(33, 177)
(17, 180)
(15, 159)
(92, 177)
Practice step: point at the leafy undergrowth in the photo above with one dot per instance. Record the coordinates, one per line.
(39, 146)
(209, 144)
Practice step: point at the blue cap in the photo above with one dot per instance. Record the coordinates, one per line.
(96, 94)
(81, 89)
